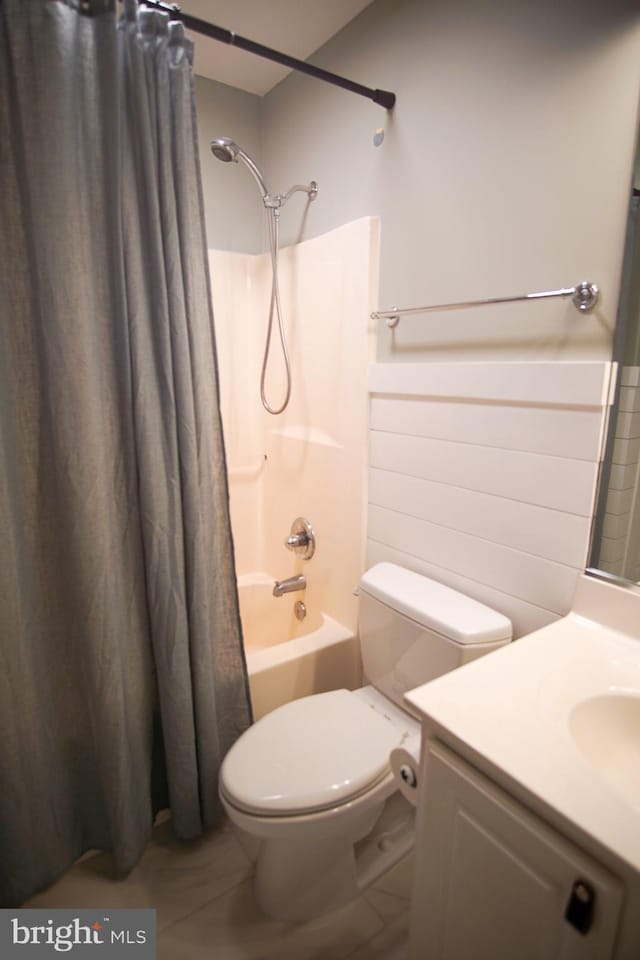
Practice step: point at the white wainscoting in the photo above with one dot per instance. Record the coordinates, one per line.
(483, 476)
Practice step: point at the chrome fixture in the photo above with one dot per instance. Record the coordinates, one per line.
(300, 610)
(290, 585)
(584, 295)
(227, 150)
(302, 539)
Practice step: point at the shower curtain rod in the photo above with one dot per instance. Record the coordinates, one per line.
(382, 97)
(584, 298)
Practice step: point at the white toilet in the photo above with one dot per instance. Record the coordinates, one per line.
(312, 782)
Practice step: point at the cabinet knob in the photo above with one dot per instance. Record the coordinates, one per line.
(581, 906)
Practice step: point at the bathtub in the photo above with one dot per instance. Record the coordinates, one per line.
(288, 658)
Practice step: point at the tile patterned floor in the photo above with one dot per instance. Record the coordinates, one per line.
(204, 905)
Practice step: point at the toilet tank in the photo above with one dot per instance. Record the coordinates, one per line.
(413, 629)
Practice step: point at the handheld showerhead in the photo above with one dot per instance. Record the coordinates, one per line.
(227, 150)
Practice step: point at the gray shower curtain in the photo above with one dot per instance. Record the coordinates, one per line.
(122, 677)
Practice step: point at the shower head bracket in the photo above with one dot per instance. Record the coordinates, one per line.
(275, 201)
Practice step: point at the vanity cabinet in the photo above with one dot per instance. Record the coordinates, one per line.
(494, 882)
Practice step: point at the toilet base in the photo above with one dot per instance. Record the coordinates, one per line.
(391, 839)
(296, 880)
(285, 890)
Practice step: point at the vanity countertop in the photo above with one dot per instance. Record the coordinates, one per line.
(558, 714)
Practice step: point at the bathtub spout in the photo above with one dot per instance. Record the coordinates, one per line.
(289, 585)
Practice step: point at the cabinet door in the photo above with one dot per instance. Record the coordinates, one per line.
(493, 881)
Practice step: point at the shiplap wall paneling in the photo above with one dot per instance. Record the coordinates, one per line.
(483, 476)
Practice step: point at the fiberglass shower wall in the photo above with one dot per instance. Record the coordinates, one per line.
(311, 460)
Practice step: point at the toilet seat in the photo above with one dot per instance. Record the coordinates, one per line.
(309, 755)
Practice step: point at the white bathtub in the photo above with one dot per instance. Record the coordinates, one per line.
(288, 658)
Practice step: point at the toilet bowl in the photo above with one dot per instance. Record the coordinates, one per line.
(309, 793)
(311, 783)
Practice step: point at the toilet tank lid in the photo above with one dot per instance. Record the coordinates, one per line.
(435, 606)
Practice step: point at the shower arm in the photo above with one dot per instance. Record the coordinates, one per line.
(311, 189)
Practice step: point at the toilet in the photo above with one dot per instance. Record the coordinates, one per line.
(310, 786)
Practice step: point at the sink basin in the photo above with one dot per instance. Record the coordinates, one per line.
(606, 730)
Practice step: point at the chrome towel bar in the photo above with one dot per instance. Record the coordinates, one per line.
(585, 296)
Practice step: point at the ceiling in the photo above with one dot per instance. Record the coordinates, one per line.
(296, 27)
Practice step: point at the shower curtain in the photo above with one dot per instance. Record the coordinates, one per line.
(122, 677)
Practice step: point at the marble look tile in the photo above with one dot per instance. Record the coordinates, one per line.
(232, 927)
(386, 905)
(392, 943)
(390, 895)
(399, 880)
(174, 877)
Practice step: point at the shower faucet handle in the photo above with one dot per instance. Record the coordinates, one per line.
(302, 539)
(297, 540)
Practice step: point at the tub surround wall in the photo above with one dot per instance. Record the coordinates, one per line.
(235, 278)
(317, 449)
(311, 460)
(483, 476)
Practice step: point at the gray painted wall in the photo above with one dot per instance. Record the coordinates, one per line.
(233, 211)
(505, 165)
